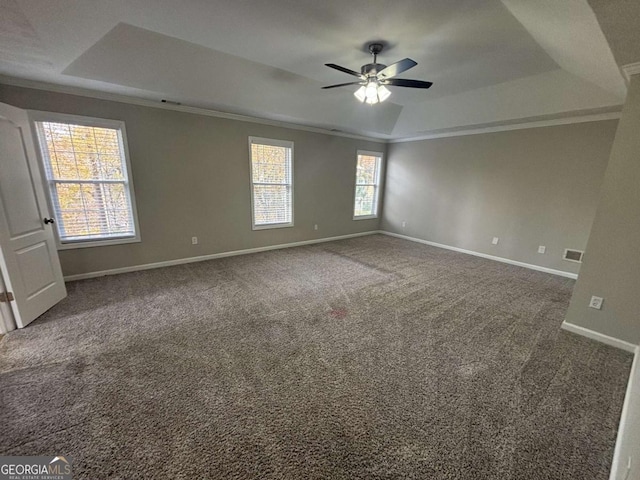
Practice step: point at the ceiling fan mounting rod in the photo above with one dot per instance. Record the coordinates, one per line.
(375, 49)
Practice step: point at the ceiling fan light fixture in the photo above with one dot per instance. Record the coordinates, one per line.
(371, 92)
(383, 93)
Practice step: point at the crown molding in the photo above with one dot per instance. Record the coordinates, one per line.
(459, 132)
(592, 117)
(630, 69)
(143, 102)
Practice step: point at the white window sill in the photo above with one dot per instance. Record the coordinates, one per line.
(272, 225)
(365, 217)
(97, 243)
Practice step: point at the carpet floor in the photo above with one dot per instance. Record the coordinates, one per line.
(366, 358)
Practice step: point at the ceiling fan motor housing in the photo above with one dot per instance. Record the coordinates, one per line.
(372, 68)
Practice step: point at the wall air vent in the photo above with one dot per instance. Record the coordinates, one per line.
(573, 255)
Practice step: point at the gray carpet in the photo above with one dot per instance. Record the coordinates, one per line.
(365, 358)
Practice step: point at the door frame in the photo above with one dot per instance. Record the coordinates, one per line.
(7, 322)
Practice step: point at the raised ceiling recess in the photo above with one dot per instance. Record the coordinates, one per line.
(490, 61)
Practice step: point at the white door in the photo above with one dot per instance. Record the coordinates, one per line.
(29, 260)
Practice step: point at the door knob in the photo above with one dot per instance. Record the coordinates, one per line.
(49, 220)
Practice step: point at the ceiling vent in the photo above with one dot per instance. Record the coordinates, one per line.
(573, 255)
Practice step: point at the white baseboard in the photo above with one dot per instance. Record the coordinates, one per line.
(600, 337)
(530, 266)
(202, 258)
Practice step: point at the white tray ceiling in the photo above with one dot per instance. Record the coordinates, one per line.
(490, 60)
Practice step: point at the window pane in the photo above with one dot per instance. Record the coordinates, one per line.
(112, 167)
(63, 165)
(365, 201)
(78, 152)
(115, 196)
(270, 164)
(93, 210)
(366, 171)
(272, 204)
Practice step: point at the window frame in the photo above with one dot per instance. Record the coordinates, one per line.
(37, 117)
(379, 156)
(273, 143)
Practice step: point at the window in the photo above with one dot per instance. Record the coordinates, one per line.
(271, 183)
(87, 170)
(367, 185)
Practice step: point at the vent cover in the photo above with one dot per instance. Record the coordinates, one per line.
(573, 255)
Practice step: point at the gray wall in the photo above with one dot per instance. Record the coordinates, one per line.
(528, 187)
(612, 262)
(191, 178)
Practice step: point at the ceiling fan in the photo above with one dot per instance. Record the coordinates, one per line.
(375, 77)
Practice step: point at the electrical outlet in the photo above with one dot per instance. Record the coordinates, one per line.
(542, 249)
(315, 227)
(495, 240)
(596, 302)
(194, 240)
(404, 224)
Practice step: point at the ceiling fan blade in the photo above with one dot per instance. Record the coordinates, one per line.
(403, 82)
(396, 68)
(343, 85)
(345, 70)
